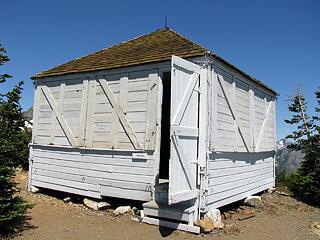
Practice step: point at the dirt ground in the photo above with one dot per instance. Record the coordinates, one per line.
(281, 217)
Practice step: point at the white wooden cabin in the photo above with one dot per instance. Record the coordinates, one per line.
(158, 119)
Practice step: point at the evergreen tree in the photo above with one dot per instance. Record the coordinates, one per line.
(305, 183)
(12, 153)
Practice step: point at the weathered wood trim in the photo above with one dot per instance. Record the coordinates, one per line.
(178, 62)
(214, 114)
(35, 117)
(64, 125)
(203, 113)
(184, 102)
(118, 110)
(232, 103)
(90, 112)
(251, 118)
(233, 113)
(83, 113)
(151, 111)
(261, 132)
(158, 125)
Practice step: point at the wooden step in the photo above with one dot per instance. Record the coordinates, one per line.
(160, 213)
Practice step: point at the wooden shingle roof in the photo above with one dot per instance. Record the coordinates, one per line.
(157, 46)
(153, 47)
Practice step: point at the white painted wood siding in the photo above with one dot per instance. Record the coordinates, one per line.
(92, 119)
(67, 96)
(93, 173)
(234, 176)
(242, 114)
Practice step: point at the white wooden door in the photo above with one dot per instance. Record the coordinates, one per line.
(184, 130)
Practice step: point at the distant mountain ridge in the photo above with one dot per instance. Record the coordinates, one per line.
(288, 160)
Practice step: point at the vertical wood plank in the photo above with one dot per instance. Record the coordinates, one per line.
(251, 118)
(90, 112)
(151, 110)
(54, 120)
(123, 101)
(83, 113)
(35, 117)
(232, 103)
(203, 111)
(262, 129)
(64, 125)
(158, 125)
(118, 110)
(232, 110)
(214, 113)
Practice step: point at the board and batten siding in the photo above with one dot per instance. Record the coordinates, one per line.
(243, 114)
(234, 176)
(113, 111)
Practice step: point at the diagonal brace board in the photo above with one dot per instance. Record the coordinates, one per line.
(182, 159)
(233, 113)
(185, 99)
(64, 125)
(119, 112)
(263, 126)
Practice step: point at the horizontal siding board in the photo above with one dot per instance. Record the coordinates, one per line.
(240, 182)
(126, 193)
(94, 173)
(92, 180)
(232, 178)
(96, 167)
(225, 164)
(67, 183)
(65, 189)
(117, 161)
(222, 202)
(239, 190)
(233, 171)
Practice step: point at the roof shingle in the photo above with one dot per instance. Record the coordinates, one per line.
(153, 47)
(157, 46)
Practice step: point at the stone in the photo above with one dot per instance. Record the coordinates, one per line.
(284, 194)
(121, 210)
(316, 228)
(205, 224)
(253, 201)
(271, 190)
(95, 205)
(34, 189)
(67, 199)
(103, 205)
(215, 216)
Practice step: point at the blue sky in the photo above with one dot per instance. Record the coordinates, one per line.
(277, 42)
